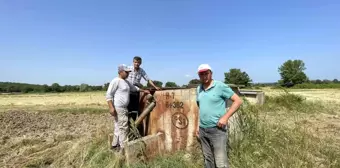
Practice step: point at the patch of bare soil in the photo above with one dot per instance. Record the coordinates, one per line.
(25, 136)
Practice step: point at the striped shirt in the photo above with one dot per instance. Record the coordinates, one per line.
(136, 76)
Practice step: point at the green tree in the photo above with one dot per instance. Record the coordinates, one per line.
(84, 87)
(55, 87)
(171, 84)
(237, 77)
(335, 81)
(26, 89)
(194, 81)
(106, 86)
(292, 72)
(326, 81)
(318, 81)
(46, 88)
(156, 82)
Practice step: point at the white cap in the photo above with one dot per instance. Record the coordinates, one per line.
(203, 67)
(123, 67)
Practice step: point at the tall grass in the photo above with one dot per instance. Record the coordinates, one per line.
(270, 144)
(262, 143)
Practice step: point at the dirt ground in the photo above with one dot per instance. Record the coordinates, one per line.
(26, 135)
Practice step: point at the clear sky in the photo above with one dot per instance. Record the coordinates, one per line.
(83, 41)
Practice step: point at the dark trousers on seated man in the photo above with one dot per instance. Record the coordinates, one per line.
(133, 107)
(134, 104)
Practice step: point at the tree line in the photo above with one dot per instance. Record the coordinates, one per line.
(9, 87)
(291, 72)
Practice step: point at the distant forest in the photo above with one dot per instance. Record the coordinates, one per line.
(9, 87)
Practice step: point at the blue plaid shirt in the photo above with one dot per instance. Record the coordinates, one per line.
(136, 76)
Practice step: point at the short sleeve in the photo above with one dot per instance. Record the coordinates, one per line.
(145, 76)
(226, 91)
(132, 87)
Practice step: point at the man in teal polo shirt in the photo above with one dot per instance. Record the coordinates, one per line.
(213, 117)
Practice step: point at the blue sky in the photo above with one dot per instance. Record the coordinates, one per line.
(83, 41)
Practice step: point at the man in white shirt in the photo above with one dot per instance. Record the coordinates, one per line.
(118, 98)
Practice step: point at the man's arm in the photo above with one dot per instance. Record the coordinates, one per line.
(135, 88)
(228, 93)
(110, 95)
(237, 101)
(146, 78)
(156, 87)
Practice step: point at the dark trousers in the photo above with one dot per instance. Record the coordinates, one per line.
(214, 147)
(134, 107)
(134, 104)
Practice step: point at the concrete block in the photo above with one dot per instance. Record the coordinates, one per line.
(144, 149)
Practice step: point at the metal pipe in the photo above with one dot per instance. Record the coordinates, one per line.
(147, 110)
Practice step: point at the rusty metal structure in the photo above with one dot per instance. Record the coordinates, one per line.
(168, 120)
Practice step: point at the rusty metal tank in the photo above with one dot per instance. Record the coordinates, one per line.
(176, 116)
(169, 119)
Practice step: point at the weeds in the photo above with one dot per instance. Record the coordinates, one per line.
(264, 144)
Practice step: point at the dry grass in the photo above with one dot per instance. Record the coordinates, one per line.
(318, 111)
(324, 95)
(70, 130)
(52, 99)
(55, 102)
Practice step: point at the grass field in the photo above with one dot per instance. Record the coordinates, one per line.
(296, 129)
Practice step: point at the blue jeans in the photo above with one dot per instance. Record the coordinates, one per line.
(214, 147)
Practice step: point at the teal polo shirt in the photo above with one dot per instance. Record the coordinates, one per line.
(212, 103)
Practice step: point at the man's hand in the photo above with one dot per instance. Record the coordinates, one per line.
(113, 112)
(157, 88)
(222, 122)
(146, 91)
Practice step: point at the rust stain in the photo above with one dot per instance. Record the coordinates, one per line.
(175, 115)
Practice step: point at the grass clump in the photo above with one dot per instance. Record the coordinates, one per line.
(270, 144)
(290, 102)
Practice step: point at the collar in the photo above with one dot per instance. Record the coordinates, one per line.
(213, 85)
(133, 69)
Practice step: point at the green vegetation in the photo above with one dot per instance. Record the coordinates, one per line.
(8, 87)
(237, 77)
(270, 143)
(317, 86)
(156, 82)
(291, 72)
(171, 84)
(194, 81)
